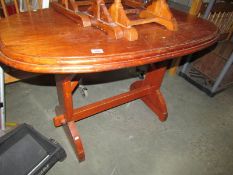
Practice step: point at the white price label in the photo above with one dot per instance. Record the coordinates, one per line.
(97, 51)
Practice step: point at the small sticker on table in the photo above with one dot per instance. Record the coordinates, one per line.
(97, 51)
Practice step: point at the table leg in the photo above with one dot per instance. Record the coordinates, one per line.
(154, 99)
(65, 87)
(148, 90)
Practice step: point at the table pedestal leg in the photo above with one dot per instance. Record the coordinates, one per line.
(77, 140)
(65, 87)
(154, 100)
(148, 90)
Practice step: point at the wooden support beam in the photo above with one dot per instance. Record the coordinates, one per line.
(97, 107)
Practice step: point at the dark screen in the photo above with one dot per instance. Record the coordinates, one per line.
(21, 157)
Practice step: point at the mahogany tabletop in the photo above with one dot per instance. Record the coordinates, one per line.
(48, 42)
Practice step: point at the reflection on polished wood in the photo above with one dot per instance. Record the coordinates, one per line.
(48, 42)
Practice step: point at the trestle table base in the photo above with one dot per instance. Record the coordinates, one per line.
(148, 90)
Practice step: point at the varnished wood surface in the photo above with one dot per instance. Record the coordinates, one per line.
(47, 42)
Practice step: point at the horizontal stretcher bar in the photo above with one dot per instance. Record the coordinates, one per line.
(97, 107)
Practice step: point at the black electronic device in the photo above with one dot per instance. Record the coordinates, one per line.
(24, 151)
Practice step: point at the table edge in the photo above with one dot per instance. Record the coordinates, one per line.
(99, 66)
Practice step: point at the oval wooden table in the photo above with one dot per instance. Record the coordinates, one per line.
(47, 42)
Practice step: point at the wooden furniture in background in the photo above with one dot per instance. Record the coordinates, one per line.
(10, 75)
(194, 10)
(64, 48)
(4, 7)
(221, 15)
(13, 75)
(212, 71)
(16, 6)
(115, 21)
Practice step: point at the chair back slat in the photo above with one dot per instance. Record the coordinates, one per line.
(27, 2)
(195, 7)
(16, 5)
(4, 8)
(39, 4)
(222, 16)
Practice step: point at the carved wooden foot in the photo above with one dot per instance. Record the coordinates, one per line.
(154, 99)
(161, 13)
(77, 141)
(156, 103)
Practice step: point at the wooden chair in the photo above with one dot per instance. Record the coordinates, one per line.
(222, 16)
(10, 74)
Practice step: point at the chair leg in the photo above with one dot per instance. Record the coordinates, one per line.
(174, 66)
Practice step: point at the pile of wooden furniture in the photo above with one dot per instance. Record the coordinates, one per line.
(120, 18)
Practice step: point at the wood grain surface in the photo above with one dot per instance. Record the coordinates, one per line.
(47, 42)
